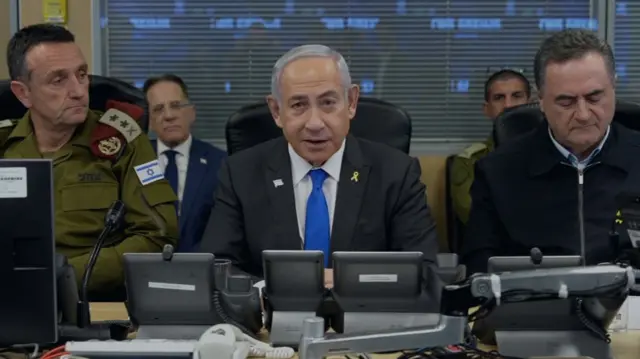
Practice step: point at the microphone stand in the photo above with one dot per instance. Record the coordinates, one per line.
(111, 222)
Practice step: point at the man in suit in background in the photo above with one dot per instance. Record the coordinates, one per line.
(190, 165)
(317, 188)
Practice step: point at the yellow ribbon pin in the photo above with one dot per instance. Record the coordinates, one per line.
(618, 221)
(355, 175)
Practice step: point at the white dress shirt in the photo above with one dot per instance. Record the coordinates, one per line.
(182, 161)
(580, 165)
(302, 184)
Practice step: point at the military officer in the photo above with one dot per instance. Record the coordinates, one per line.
(98, 158)
(503, 89)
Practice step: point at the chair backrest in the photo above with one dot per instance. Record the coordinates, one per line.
(628, 114)
(515, 122)
(455, 228)
(101, 89)
(375, 120)
(520, 120)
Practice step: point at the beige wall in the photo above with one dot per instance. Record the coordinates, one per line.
(5, 35)
(79, 22)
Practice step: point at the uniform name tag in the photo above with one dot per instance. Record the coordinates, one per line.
(149, 172)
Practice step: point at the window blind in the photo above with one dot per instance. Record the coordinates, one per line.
(627, 49)
(428, 57)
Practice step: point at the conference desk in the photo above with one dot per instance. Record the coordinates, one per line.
(625, 345)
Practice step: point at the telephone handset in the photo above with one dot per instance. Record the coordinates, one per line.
(225, 341)
(239, 304)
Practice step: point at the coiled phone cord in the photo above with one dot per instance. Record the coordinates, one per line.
(589, 323)
(217, 303)
(272, 353)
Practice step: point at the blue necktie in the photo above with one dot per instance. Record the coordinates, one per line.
(171, 171)
(317, 227)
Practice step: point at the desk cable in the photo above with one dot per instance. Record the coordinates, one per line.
(359, 356)
(21, 348)
(55, 353)
(454, 352)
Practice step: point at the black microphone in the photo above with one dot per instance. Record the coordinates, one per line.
(536, 256)
(111, 222)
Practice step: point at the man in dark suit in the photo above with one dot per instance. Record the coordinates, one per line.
(558, 186)
(190, 165)
(317, 188)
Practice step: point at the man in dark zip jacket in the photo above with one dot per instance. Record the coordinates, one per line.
(535, 192)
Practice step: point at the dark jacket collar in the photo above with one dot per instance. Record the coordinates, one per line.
(618, 150)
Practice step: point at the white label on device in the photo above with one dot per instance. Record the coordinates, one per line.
(378, 278)
(13, 182)
(172, 286)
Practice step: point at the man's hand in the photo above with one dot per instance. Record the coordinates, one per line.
(328, 278)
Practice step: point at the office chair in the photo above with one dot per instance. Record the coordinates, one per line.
(376, 120)
(515, 122)
(101, 89)
(455, 228)
(519, 120)
(628, 114)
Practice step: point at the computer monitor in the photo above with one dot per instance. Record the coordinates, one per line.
(378, 281)
(163, 292)
(518, 263)
(28, 306)
(294, 280)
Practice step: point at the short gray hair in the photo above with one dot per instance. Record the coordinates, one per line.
(571, 44)
(304, 51)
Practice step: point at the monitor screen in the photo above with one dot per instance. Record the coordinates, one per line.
(294, 280)
(378, 274)
(280, 267)
(28, 306)
(175, 292)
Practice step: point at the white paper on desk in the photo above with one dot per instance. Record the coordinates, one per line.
(633, 323)
(621, 319)
(13, 182)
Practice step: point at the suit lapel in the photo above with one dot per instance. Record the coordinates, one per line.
(353, 182)
(196, 172)
(279, 184)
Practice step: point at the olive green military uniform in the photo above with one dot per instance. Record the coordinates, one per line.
(462, 176)
(85, 186)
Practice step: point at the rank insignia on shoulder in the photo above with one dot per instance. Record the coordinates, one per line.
(8, 123)
(123, 123)
(116, 127)
(472, 150)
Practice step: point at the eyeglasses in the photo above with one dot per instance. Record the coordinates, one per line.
(492, 70)
(173, 106)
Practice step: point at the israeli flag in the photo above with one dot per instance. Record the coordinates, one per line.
(149, 172)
